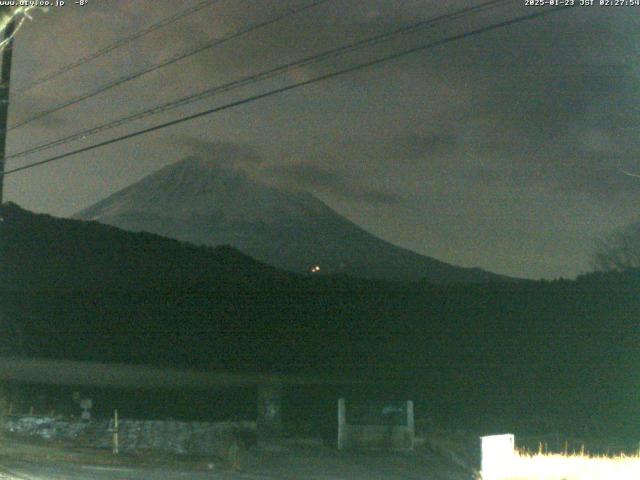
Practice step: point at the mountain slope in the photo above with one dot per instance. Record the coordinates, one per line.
(197, 202)
(43, 253)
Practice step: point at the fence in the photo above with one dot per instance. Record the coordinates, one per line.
(388, 426)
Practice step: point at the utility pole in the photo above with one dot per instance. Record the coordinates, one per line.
(5, 77)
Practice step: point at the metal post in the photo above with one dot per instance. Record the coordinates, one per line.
(269, 422)
(5, 77)
(342, 423)
(411, 426)
(116, 447)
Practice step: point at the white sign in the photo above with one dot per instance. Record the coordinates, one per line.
(498, 452)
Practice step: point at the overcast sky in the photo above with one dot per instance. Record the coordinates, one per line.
(504, 150)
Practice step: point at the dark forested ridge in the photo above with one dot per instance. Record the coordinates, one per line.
(564, 350)
(43, 253)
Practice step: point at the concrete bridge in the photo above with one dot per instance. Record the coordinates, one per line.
(71, 373)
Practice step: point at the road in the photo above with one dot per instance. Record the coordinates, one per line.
(298, 464)
(21, 470)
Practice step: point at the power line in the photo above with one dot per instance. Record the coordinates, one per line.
(317, 79)
(248, 80)
(164, 63)
(118, 43)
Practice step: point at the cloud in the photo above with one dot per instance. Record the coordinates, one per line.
(485, 175)
(226, 154)
(423, 145)
(297, 176)
(375, 197)
(306, 176)
(542, 102)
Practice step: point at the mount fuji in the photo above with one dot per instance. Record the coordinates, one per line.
(196, 201)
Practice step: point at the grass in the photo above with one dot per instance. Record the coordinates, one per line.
(575, 466)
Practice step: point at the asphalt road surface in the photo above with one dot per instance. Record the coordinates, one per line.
(21, 470)
(299, 464)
